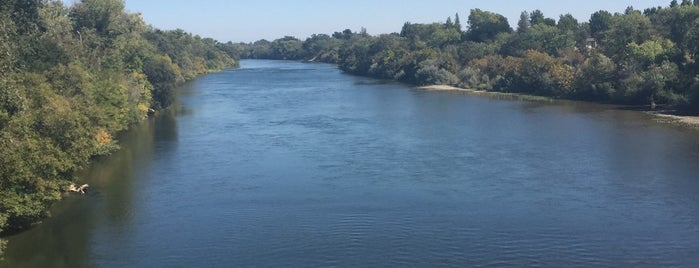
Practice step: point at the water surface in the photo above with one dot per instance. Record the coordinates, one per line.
(290, 164)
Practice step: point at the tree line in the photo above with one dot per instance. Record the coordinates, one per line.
(638, 57)
(70, 79)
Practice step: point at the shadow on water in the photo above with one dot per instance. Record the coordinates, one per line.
(64, 240)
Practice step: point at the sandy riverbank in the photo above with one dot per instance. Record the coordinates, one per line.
(500, 95)
(691, 121)
(444, 88)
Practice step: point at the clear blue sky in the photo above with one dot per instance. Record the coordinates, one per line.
(251, 20)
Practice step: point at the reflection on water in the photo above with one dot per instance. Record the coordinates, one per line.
(64, 240)
(290, 164)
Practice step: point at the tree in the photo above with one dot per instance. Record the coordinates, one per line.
(658, 81)
(544, 75)
(625, 29)
(287, 48)
(322, 47)
(600, 22)
(100, 15)
(652, 51)
(540, 37)
(457, 22)
(567, 23)
(537, 17)
(594, 79)
(484, 25)
(523, 24)
(163, 75)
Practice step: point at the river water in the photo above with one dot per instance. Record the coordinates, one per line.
(285, 164)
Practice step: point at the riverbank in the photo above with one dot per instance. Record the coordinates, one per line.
(684, 120)
(666, 116)
(494, 94)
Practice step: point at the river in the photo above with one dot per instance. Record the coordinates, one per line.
(286, 164)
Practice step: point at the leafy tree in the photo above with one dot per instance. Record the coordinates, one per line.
(594, 79)
(625, 29)
(355, 56)
(568, 24)
(542, 37)
(537, 17)
(658, 80)
(163, 75)
(484, 25)
(652, 51)
(524, 22)
(457, 22)
(287, 48)
(542, 74)
(322, 47)
(600, 22)
(100, 15)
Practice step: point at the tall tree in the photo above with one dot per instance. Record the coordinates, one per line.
(523, 23)
(484, 25)
(567, 23)
(537, 17)
(600, 22)
(457, 22)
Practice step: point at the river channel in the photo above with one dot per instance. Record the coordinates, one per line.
(287, 164)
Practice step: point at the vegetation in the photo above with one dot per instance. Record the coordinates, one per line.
(637, 57)
(72, 77)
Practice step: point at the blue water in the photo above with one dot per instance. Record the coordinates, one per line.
(285, 164)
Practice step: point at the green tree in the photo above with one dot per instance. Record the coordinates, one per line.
(485, 26)
(457, 23)
(594, 79)
(537, 17)
(287, 48)
(568, 24)
(523, 24)
(544, 75)
(600, 22)
(541, 37)
(624, 29)
(658, 81)
(163, 75)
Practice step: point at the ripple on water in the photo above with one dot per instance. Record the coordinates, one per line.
(283, 164)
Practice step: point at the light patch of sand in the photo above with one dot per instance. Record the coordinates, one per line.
(685, 120)
(444, 88)
(498, 95)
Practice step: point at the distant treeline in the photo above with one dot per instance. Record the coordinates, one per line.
(636, 57)
(72, 77)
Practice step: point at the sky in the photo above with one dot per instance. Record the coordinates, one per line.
(248, 21)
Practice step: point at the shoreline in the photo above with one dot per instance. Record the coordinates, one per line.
(662, 116)
(682, 120)
(495, 94)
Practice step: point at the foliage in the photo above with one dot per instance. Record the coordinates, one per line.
(484, 25)
(72, 77)
(594, 79)
(630, 57)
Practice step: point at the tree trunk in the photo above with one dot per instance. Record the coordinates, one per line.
(652, 102)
